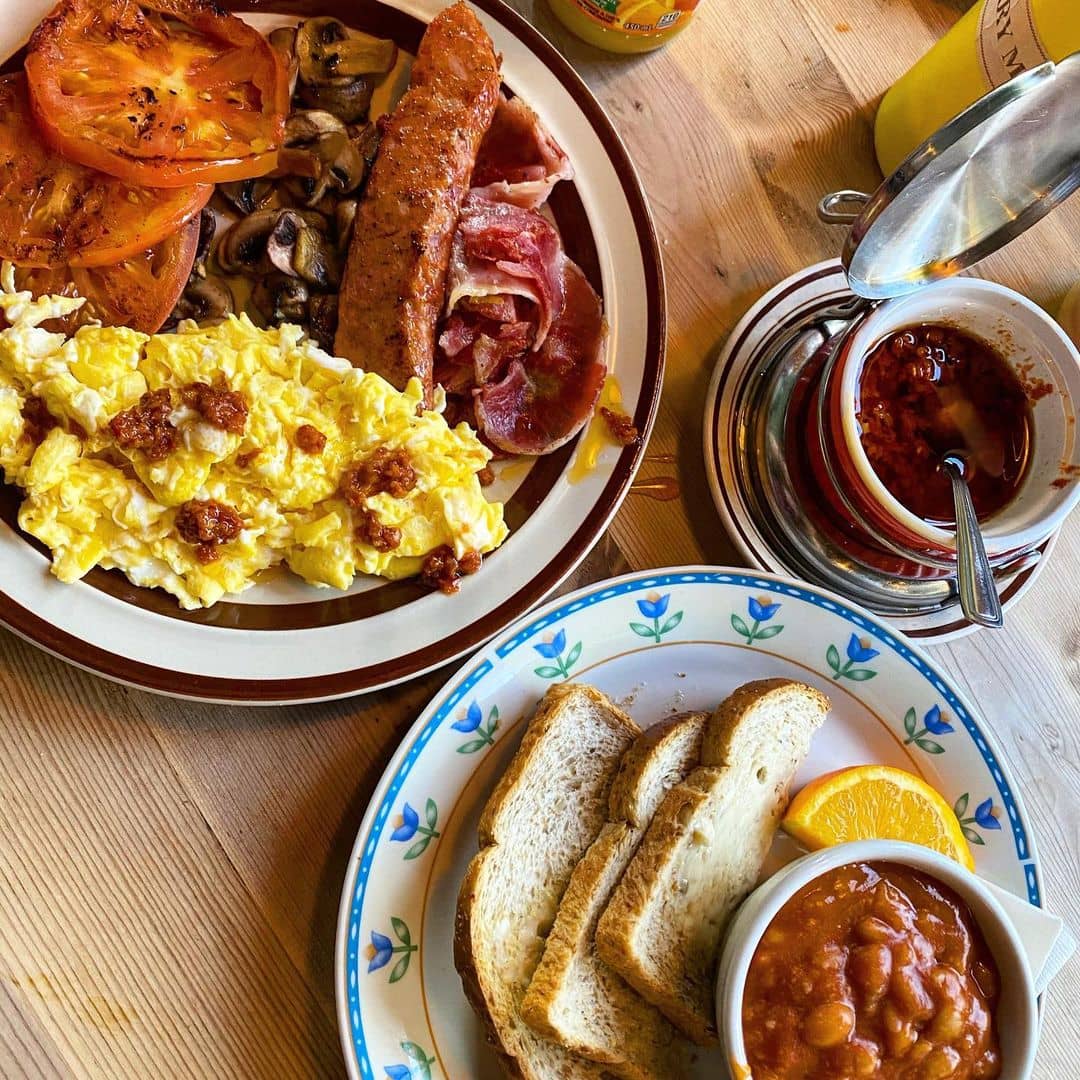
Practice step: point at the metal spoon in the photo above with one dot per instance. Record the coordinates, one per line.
(979, 599)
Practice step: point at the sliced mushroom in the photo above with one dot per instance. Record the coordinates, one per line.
(315, 260)
(247, 246)
(284, 40)
(281, 243)
(299, 161)
(317, 220)
(301, 190)
(327, 50)
(207, 228)
(322, 319)
(247, 196)
(205, 300)
(344, 216)
(366, 138)
(349, 100)
(242, 248)
(330, 163)
(296, 247)
(280, 298)
(298, 189)
(306, 125)
(347, 167)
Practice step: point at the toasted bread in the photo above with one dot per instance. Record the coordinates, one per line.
(704, 851)
(545, 811)
(576, 999)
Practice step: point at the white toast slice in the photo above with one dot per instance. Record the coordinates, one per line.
(545, 811)
(704, 851)
(576, 999)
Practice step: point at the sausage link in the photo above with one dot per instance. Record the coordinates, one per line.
(395, 275)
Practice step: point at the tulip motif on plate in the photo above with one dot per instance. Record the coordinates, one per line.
(761, 609)
(985, 817)
(418, 1068)
(408, 826)
(934, 722)
(859, 651)
(552, 648)
(472, 722)
(654, 607)
(382, 950)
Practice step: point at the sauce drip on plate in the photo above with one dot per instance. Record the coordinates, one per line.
(597, 435)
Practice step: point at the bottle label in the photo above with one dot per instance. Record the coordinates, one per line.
(638, 17)
(1009, 42)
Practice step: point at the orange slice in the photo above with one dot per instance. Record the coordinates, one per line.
(875, 802)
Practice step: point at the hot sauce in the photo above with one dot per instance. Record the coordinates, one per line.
(876, 970)
(926, 391)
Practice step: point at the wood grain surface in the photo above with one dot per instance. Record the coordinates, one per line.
(170, 873)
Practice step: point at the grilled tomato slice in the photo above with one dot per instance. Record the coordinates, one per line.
(139, 292)
(55, 213)
(158, 92)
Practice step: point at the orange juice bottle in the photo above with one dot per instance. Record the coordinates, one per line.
(624, 26)
(995, 41)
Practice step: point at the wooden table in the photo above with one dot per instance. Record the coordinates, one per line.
(170, 873)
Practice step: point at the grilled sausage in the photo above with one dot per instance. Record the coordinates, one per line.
(395, 275)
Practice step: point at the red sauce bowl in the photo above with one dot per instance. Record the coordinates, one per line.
(1045, 362)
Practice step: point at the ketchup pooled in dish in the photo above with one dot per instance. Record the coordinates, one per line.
(929, 390)
(876, 970)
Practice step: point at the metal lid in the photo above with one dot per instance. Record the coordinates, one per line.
(985, 177)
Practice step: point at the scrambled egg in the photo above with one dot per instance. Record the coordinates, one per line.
(94, 503)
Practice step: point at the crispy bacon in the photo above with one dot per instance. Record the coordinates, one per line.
(310, 439)
(372, 531)
(504, 250)
(546, 397)
(519, 160)
(620, 426)
(442, 571)
(383, 470)
(475, 349)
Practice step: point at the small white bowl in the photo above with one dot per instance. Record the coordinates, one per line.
(1039, 351)
(1016, 1019)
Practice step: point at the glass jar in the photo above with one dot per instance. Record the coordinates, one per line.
(624, 26)
(991, 44)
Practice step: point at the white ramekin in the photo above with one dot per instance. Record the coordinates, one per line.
(1041, 353)
(1016, 1019)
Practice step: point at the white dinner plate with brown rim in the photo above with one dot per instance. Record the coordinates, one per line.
(658, 642)
(284, 641)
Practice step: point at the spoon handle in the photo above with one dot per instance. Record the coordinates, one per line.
(979, 598)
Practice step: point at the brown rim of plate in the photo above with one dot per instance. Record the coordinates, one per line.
(406, 30)
(777, 566)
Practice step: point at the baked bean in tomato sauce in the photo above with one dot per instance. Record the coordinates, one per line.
(875, 970)
(928, 390)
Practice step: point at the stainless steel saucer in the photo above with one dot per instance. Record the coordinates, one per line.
(746, 416)
(761, 413)
(985, 177)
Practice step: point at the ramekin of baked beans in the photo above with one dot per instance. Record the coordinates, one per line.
(878, 959)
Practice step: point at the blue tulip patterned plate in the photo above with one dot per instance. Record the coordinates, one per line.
(657, 642)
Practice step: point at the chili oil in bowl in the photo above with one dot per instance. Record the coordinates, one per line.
(969, 366)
